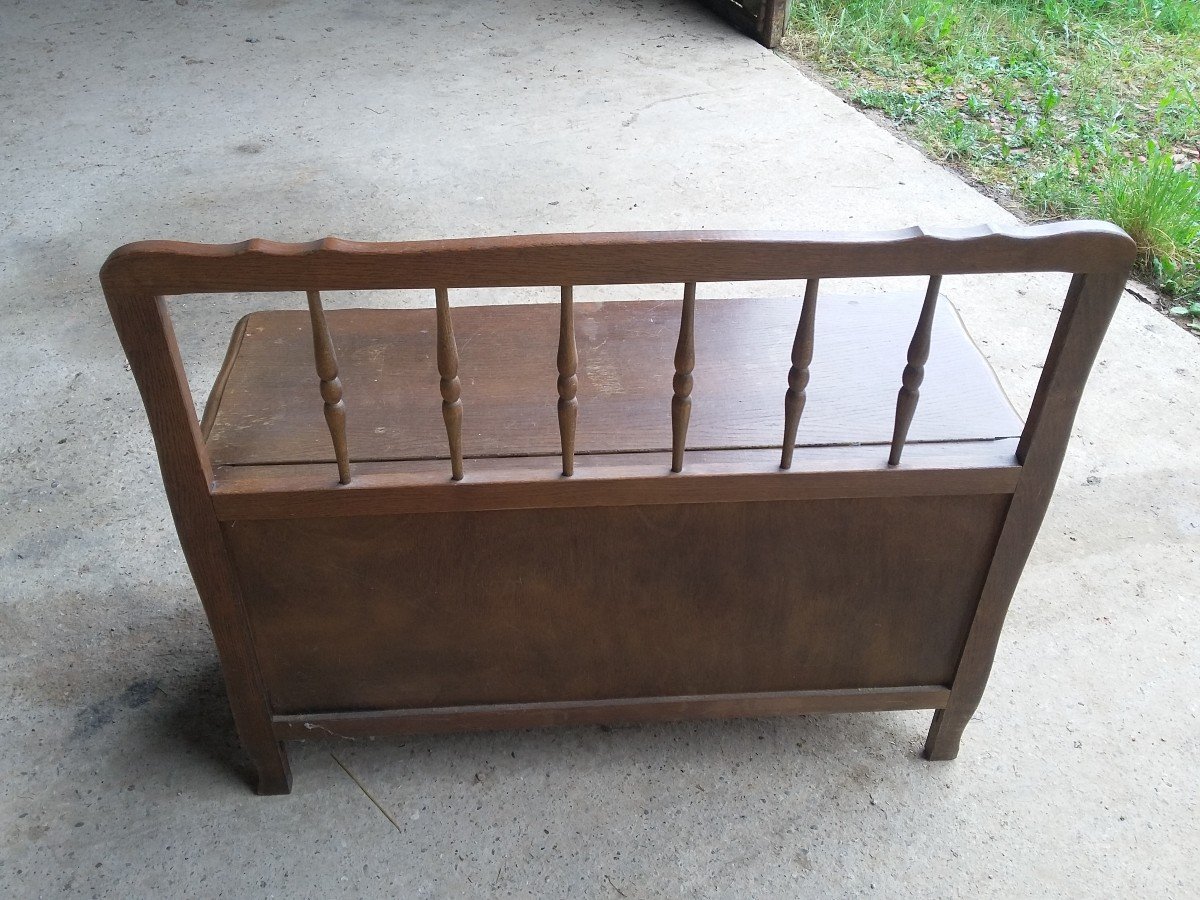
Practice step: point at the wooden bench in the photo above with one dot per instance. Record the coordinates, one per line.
(529, 515)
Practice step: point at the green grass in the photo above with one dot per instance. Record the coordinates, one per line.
(1065, 107)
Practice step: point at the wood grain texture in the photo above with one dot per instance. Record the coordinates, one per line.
(451, 388)
(914, 371)
(568, 381)
(381, 613)
(625, 349)
(331, 385)
(772, 21)
(168, 267)
(633, 479)
(623, 711)
(681, 384)
(798, 375)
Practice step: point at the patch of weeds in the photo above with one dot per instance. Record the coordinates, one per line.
(897, 105)
(1173, 16)
(960, 138)
(1159, 206)
(1051, 101)
(1190, 311)
(926, 22)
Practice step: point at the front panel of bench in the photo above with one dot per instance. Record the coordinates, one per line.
(579, 604)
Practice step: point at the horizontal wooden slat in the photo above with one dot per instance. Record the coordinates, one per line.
(632, 479)
(166, 267)
(605, 712)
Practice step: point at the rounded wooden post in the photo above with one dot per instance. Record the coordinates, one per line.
(914, 372)
(568, 381)
(685, 361)
(447, 363)
(331, 385)
(797, 392)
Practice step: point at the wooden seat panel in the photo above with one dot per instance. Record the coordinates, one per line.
(267, 409)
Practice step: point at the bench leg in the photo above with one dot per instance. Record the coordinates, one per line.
(273, 774)
(946, 731)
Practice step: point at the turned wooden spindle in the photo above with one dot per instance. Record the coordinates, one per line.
(797, 392)
(568, 381)
(331, 385)
(914, 372)
(685, 361)
(447, 363)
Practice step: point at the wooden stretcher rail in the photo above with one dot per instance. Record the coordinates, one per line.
(605, 712)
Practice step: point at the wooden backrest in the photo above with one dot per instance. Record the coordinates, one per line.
(138, 276)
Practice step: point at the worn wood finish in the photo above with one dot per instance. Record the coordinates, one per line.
(735, 587)
(798, 376)
(331, 385)
(623, 711)
(447, 363)
(568, 381)
(763, 20)
(624, 380)
(772, 21)
(914, 371)
(681, 384)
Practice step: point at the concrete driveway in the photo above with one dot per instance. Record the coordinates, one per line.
(199, 120)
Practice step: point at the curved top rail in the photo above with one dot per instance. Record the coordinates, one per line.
(168, 267)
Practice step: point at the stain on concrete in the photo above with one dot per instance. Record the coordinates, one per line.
(95, 716)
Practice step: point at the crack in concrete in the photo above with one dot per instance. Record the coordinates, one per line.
(362, 787)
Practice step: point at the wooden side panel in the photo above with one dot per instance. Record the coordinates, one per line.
(583, 604)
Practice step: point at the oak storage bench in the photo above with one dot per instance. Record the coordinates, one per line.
(454, 517)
